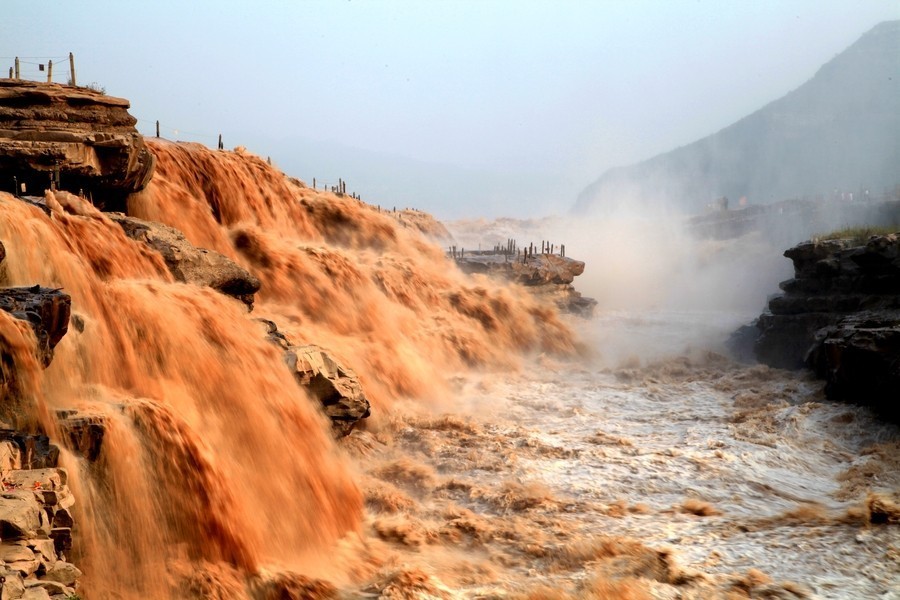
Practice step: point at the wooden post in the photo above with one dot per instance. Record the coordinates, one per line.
(17, 67)
(72, 67)
(49, 71)
(221, 145)
(10, 72)
(157, 128)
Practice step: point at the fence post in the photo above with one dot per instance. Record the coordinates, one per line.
(17, 67)
(10, 72)
(157, 128)
(72, 67)
(49, 71)
(221, 145)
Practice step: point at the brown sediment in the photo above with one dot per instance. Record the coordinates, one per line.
(877, 509)
(874, 462)
(698, 507)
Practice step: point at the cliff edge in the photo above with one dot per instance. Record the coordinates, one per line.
(75, 139)
(840, 316)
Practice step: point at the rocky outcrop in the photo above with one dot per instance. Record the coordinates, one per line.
(46, 310)
(188, 263)
(35, 501)
(549, 276)
(36, 530)
(840, 315)
(333, 385)
(81, 138)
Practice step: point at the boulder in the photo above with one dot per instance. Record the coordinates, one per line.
(11, 584)
(334, 385)
(62, 572)
(38, 593)
(188, 263)
(53, 588)
(20, 515)
(79, 137)
(15, 552)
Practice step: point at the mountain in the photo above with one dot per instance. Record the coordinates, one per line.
(839, 130)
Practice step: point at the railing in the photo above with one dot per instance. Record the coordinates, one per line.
(511, 249)
(25, 67)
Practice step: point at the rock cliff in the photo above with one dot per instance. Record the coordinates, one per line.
(840, 315)
(78, 139)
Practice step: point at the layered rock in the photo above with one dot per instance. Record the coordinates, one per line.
(36, 529)
(546, 275)
(188, 263)
(82, 138)
(46, 310)
(334, 386)
(35, 501)
(840, 315)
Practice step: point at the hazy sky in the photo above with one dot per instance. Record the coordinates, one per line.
(568, 89)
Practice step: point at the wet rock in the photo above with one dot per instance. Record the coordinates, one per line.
(859, 359)
(83, 432)
(840, 316)
(331, 383)
(275, 336)
(335, 386)
(86, 137)
(546, 275)
(46, 310)
(188, 263)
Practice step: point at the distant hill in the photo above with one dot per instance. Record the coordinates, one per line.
(840, 129)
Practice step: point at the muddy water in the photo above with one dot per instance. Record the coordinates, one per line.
(498, 463)
(739, 479)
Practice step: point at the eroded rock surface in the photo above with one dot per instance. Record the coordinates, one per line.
(335, 386)
(545, 275)
(188, 263)
(35, 501)
(87, 137)
(46, 310)
(840, 315)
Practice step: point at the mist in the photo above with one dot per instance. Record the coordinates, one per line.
(460, 109)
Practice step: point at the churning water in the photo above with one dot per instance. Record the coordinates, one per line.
(503, 459)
